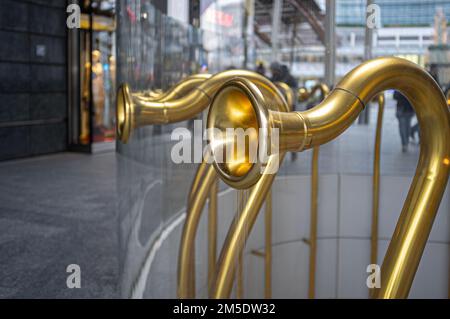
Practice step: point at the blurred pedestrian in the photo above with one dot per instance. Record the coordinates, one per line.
(260, 68)
(404, 114)
(277, 73)
(288, 78)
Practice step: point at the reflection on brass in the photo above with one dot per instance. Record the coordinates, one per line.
(305, 95)
(134, 111)
(176, 91)
(376, 182)
(321, 124)
(152, 94)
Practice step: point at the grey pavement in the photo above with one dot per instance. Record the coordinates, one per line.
(55, 211)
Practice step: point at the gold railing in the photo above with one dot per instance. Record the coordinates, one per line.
(261, 105)
(323, 123)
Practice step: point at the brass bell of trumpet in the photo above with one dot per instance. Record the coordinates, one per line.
(242, 104)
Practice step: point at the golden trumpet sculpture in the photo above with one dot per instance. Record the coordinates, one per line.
(241, 103)
(204, 179)
(129, 106)
(305, 95)
(135, 110)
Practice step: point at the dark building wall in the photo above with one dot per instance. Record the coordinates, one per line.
(33, 89)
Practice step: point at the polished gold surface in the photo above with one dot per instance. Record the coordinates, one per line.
(186, 259)
(313, 222)
(376, 182)
(241, 200)
(325, 122)
(212, 234)
(242, 224)
(206, 175)
(136, 111)
(239, 114)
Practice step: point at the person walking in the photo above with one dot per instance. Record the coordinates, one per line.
(404, 114)
(260, 68)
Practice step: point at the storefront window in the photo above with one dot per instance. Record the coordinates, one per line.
(92, 113)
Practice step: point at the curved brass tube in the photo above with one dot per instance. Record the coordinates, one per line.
(205, 176)
(376, 182)
(323, 123)
(134, 111)
(186, 259)
(212, 233)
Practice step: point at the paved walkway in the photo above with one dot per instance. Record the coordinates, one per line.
(55, 211)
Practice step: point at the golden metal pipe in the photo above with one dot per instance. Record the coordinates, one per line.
(376, 182)
(133, 111)
(186, 259)
(323, 123)
(242, 115)
(313, 222)
(212, 234)
(241, 226)
(197, 196)
(242, 197)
